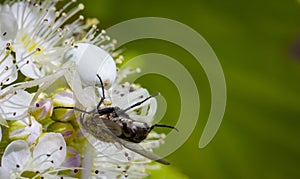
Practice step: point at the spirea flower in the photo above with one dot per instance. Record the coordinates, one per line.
(14, 106)
(43, 160)
(48, 67)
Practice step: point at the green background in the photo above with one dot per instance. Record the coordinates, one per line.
(259, 136)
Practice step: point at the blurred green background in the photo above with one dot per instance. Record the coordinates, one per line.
(259, 136)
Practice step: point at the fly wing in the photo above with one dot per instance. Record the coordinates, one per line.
(95, 126)
(140, 150)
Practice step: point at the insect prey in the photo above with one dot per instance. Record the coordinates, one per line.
(112, 124)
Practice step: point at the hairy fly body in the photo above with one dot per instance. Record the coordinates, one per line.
(112, 124)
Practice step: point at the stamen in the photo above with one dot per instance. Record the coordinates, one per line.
(31, 53)
(110, 46)
(100, 38)
(67, 16)
(66, 6)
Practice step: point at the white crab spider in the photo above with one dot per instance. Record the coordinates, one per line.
(82, 64)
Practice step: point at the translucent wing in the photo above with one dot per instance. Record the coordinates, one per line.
(140, 150)
(95, 126)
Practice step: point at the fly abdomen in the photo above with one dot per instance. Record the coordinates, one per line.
(134, 131)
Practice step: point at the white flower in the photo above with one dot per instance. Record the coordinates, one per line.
(106, 161)
(45, 159)
(8, 30)
(34, 36)
(127, 94)
(38, 46)
(14, 106)
(26, 129)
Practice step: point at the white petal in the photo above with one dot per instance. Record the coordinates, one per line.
(27, 66)
(8, 71)
(87, 162)
(8, 24)
(0, 133)
(48, 176)
(33, 131)
(50, 151)
(125, 99)
(24, 14)
(15, 106)
(16, 155)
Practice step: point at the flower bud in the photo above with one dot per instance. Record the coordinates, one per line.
(73, 158)
(63, 98)
(66, 130)
(43, 108)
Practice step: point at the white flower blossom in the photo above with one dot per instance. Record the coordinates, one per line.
(36, 36)
(15, 106)
(26, 129)
(45, 159)
(40, 48)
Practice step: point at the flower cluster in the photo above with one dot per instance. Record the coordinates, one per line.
(47, 62)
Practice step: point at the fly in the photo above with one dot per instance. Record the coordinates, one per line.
(112, 124)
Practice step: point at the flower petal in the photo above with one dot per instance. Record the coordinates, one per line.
(15, 106)
(29, 130)
(16, 155)
(24, 15)
(27, 65)
(8, 70)
(125, 98)
(8, 24)
(50, 151)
